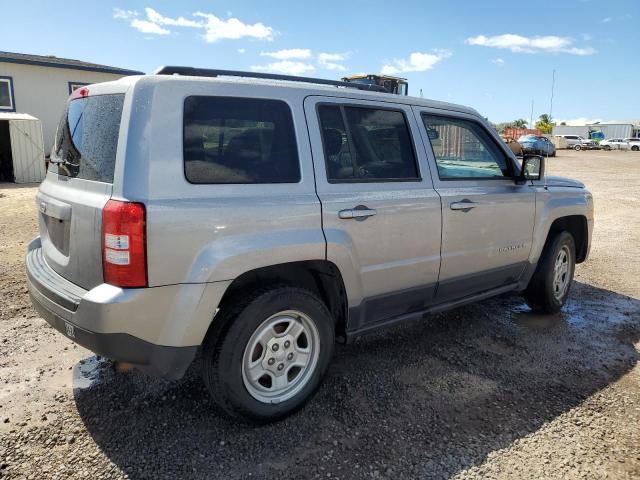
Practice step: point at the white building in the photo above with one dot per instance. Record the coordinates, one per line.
(614, 129)
(40, 85)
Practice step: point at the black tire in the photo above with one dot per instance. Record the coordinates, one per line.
(224, 349)
(635, 148)
(539, 294)
(577, 148)
(607, 148)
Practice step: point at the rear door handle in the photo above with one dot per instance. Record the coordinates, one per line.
(358, 213)
(464, 205)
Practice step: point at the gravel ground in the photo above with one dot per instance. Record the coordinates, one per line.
(485, 391)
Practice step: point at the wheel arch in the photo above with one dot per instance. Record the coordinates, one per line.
(321, 277)
(577, 226)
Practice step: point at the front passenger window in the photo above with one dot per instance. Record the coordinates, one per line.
(463, 149)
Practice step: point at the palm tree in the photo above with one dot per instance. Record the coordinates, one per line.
(545, 118)
(520, 123)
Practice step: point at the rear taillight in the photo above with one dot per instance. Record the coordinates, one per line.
(124, 261)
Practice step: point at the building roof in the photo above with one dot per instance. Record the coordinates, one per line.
(57, 62)
(16, 116)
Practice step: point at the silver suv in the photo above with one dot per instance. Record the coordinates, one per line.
(257, 220)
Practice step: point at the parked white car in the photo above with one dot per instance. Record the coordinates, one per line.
(577, 142)
(617, 144)
(634, 143)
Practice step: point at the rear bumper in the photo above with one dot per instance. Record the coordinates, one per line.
(157, 329)
(156, 360)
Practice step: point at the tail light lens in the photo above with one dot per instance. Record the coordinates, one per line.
(124, 262)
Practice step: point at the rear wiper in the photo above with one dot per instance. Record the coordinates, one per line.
(63, 164)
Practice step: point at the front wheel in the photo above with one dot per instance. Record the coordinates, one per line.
(607, 148)
(271, 356)
(549, 287)
(635, 148)
(577, 148)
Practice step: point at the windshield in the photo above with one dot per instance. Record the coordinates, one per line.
(87, 138)
(363, 81)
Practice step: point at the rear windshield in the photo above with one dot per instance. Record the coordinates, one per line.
(87, 138)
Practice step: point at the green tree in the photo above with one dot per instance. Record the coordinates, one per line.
(500, 127)
(545, 118)
(544, 123)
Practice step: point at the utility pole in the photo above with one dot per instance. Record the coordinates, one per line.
(553, 83)
(531, 117)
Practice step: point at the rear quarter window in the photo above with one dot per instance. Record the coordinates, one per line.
(239, 141)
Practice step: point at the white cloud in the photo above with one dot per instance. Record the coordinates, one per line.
(124, 14)
(288, 53)
(498, 61)
(334, 66)
(241, 50)
(417, 62)
(536, 44)
(576, 122)
(214, 28)
(233, 29)
(329, 60)
(145, 26)
(154, 17)
(606, 20)
(287, 67)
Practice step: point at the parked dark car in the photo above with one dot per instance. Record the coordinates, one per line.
(537, 145)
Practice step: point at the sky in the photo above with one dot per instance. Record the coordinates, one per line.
(497, 57)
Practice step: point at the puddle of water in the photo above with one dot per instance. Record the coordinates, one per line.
(611, 310)
(87, 372)
(525, 317)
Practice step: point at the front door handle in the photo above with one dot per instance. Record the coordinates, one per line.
(358, 213)
(464, 205)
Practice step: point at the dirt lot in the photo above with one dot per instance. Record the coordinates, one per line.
(485, 391)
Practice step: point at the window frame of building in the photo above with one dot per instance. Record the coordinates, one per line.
(75, 85)
(12, 98)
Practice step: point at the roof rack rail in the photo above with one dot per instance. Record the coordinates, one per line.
(207, 72)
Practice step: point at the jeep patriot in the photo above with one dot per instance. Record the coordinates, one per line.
(257, 218)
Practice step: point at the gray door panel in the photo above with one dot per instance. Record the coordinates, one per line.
(487, 224)
(397, 249)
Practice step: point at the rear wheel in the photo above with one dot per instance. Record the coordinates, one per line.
(549, 287)
(272, 355)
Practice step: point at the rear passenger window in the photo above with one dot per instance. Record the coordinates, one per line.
(463, 149)
(366, 144)
(239, 140)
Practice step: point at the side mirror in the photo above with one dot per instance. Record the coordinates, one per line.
(532, 168)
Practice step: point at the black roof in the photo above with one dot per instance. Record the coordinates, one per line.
(57, 62)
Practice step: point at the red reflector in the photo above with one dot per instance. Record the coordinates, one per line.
(79, 93)
(124, 262)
